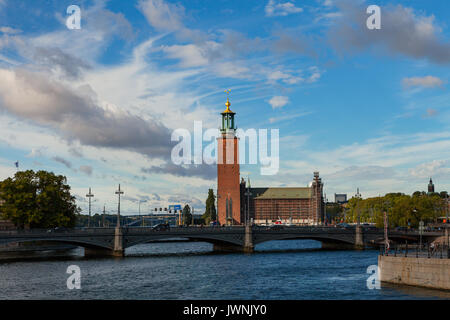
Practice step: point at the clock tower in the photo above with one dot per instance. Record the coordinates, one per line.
(228, 182)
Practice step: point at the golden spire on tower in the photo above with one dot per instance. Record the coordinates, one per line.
(228, 104)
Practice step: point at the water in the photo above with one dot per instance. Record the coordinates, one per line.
(278, 270)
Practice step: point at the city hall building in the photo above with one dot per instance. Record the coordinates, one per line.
(302, 205)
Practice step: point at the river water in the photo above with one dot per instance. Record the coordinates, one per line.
(296, 269)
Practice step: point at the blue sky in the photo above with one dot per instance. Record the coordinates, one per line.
(365, 108)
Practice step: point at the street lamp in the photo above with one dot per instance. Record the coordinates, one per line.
(247, 213)
(141, 201)
(446, 208)
(89, 196)
(119, 193)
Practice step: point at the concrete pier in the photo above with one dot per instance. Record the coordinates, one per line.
(248, 240)
(248, 246)
(118, 250)
(359, 238)
(118, 242)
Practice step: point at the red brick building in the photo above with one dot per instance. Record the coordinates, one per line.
(288, 205)
(228, 188)
(266, 205)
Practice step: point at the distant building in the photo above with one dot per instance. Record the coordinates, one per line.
(340, 198)
(431, 186)
(357, 195)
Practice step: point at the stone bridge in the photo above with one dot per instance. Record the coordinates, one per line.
(114, 241)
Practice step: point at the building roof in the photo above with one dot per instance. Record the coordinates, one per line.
(281, 193)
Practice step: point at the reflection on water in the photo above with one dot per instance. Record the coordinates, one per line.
(424, 293)
(296, 269)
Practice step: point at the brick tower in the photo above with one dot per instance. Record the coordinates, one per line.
(317, 204)
(228, 186)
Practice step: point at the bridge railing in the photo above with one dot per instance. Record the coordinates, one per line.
(427, 250)
(57, 231)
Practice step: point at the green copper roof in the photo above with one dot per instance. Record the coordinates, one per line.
(282, 193)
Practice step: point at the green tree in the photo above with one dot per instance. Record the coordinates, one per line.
(210, 210)
(39, 200)
(187, 215)
(402, 210)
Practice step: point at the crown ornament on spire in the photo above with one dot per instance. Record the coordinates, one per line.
(228, 104)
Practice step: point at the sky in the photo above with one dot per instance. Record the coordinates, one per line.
(368, 109)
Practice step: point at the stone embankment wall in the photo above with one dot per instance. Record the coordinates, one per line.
(422, 272)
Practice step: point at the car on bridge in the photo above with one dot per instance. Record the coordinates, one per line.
(58, 230)
(369, 226)
(161, 227)
(276, 227)
(344, 225)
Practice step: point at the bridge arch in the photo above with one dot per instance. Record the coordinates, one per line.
(237, 241)
(80, 243)
(320, 238)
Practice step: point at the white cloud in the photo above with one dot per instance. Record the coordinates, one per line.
(278, 101)
(283, 76)
(76, 113)
(86, 169)
(9, 30)
(430, 169)
(161, 15)
(289, 116)
(232, 70)
(404, 31)
(190, 55)
(274, 8)
(426, 82)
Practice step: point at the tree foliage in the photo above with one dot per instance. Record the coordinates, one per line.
(210, 210)
(38, 199)
(187, 215)
(402, 210)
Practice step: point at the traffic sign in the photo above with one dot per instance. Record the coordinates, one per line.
(421, 227)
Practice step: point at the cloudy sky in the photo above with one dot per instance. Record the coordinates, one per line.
(365, 108)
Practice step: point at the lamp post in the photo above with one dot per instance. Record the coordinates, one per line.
(89, 196)
(103, 216)
(247, 213)
(141, 201)
(217, 208)
(119, 193)
(421, 228)
(446, 208)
